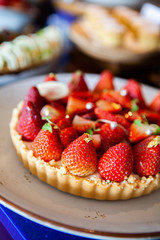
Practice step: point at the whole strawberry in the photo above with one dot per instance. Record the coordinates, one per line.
(147, 156)
(77, 82)
(47, 144)
(116, 164)
(80, 158)
(30, 122)
(111, 134)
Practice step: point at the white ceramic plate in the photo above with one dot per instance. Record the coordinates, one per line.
(27, 195)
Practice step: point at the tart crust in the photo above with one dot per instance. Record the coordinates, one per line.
(89, 187)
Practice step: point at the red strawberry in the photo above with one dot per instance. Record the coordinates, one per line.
(139, 131)
(81, 124)
(30, 122)
(34, 96)
(101, 114)
(47, 145)
(64, 122)
(50, 77)
(54, 113)
(132, 116)
(116, 164)
(108, 106)
(105, 82)
(150, 115)
(80, 157)
(111, 135)
(78, 106)
(117, 97)
(77, 82)
(147, 156)
(97, 142)
(67, 135)
(155, 104)
(86, 95)
(133, 89)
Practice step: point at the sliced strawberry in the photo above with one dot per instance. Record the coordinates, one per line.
(134, 90)
(80, 157)
(97, 142)
(132, 116)
(77, 82)
(151, 116)
(34, 96)
(117, 163)
(139, 131)
(30, 122)
(89, 116)
(105, 82)
(86, 95)
(54, 113)
(67, 135)
(155, 104)
(50, 77)
(47, 145)
(64, 122)
(117, 97)
(81, 124)
(111, 135)
(78, 106)
(101, 114)
(108, 106)
(147, 155)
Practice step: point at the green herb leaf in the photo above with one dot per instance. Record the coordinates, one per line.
(135, 107)
(157, 131)
(89, 131)
(47, 126)
(138, 122)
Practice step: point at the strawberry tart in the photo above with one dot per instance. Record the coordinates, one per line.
(101, 144)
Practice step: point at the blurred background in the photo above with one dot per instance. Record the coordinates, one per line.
(121, 36)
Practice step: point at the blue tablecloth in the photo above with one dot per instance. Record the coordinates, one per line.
(14, 226)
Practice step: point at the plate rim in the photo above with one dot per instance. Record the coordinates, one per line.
(84, 232)
(70, 229)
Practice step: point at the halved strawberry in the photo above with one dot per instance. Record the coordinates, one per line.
(111, 135)
(101, 114)
(30, 122)
(108, 106)
(78, 106)
(34, 96)
(139, 131)
(47, 144)
(117, 97)
(80, 157)
(147, 156)
(134, 90)
(82, 124)
(105, 82)
(97, 142)
(50, 77)
(54, 113)
(155, 104)
(116, 164)
(64, 122)
(77, 82)
(151, 116)
(67, 135)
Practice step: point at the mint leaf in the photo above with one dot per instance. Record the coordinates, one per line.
(135, 107)
(89, 131)
(157, 131)
(47, 126)
(138, 122)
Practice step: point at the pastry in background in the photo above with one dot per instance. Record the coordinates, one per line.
(28, 51)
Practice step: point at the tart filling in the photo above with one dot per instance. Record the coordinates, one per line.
(92, 186)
